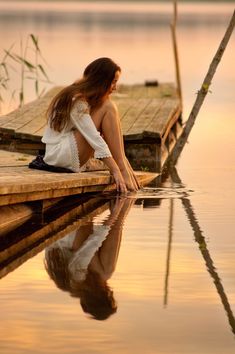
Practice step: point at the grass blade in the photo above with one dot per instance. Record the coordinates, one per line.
(43, 71)
(35, 42)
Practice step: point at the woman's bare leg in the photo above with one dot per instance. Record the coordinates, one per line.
(106, 120)
(111, 130)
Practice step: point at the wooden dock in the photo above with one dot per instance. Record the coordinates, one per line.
(150, 118)
(151, 124)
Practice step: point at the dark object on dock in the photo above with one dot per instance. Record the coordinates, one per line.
(154, 83)
(39, 164)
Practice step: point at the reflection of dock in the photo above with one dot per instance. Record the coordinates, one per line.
(150, 119)
(25, 241)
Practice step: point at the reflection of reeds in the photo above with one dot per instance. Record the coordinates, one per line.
(200, 239)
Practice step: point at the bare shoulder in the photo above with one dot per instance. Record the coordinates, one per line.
(110, 105)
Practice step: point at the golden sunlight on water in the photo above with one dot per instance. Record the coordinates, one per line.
(159, 294)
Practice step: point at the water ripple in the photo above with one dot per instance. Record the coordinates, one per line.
(177, 191)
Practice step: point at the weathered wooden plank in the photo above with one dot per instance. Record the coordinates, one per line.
(22, 179)
(22, 120)
(25, 112)
(17, 114)
(133, 113)
(10, 159)
(124, 105)
(32, 126)
(23, 197)
(40, 131)
(163, 116)
(12, 216)
(146, 117)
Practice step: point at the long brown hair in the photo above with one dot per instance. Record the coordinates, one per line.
(93, 86)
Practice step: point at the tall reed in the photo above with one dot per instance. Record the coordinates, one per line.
(29, 64)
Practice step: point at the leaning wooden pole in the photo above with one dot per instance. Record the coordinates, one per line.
(202, 93)
(175, 48)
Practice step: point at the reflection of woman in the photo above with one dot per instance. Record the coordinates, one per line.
(83, 261)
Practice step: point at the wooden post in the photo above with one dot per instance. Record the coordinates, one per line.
(175, 48)
(202, 93)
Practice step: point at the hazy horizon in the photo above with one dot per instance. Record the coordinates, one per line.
(179, 1)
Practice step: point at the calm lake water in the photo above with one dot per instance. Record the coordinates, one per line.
(165, 267)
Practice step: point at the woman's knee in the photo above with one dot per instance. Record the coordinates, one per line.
(108, 111)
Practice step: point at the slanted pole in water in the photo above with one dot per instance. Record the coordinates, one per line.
(202, 93)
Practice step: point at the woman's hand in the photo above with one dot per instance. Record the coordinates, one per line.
(133, 176)
(117, 175)
(124, 177)
(129, 181)
(128, 174)
(120, 183)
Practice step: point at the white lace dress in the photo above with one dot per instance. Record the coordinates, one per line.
(61, 147)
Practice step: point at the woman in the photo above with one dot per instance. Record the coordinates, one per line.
(83, 121)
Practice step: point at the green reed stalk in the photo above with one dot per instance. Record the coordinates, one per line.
(29, 69)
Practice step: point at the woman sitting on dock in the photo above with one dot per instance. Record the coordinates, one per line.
(83, 121)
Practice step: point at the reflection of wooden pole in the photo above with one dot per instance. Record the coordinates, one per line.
(177, 69)
(200, 239)
(170, 229)
(202, 93)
